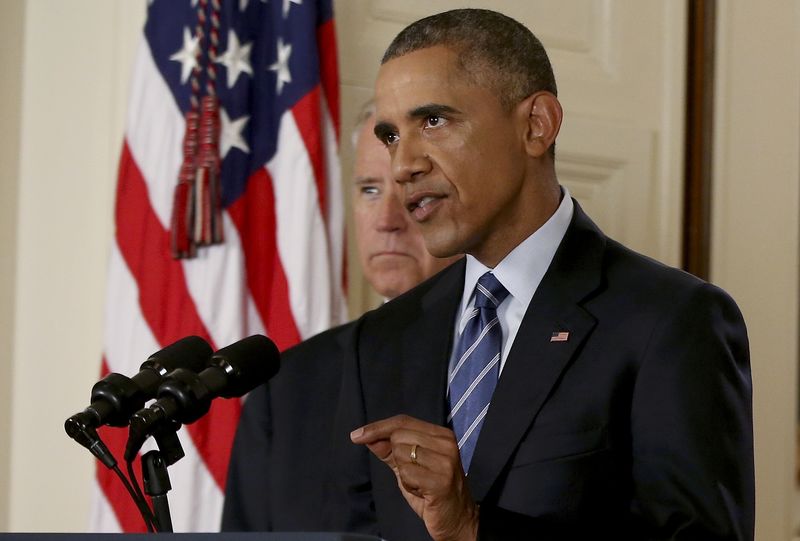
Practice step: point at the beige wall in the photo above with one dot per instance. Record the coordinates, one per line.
(63, 137)
(756, 228)
(76, 61)
(11, 24)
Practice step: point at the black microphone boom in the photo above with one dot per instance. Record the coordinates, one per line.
(185, 396)
(115, 398)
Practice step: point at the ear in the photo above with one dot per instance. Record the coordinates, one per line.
(544, 116)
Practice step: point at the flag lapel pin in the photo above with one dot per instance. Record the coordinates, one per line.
(560, 336)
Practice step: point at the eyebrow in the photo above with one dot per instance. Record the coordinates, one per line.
(384, 128)
(431, 109)
(358, 181)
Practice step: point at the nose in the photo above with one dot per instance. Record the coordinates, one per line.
(392, 217)
(408, 159)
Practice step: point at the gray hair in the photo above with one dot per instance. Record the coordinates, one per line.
(366, 112)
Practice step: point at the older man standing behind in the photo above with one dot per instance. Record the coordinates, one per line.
(391, 249)
(276, 480)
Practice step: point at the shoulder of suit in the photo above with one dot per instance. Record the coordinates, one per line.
(323, 343)
(647, 278)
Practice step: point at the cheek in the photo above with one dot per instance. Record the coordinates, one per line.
(491, 178)
(363, 232)
(469, 168)
(364, 215)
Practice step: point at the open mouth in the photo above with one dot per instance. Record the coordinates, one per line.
(422, 206)
(421, 203)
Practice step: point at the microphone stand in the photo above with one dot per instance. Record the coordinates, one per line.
(156, 485)
(154, 471)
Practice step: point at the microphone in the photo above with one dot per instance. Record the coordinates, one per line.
(185, 396)
(116, 397)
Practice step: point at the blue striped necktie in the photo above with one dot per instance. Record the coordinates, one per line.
(477, 366)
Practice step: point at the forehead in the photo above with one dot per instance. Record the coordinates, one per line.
(430, 75)
(371, 155)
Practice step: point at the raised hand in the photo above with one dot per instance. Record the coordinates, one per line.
(425, 459)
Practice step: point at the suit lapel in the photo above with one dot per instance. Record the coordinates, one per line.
(535, 363)
(413, 342)
(426, 348)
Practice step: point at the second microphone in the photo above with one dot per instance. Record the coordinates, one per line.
(185, 396)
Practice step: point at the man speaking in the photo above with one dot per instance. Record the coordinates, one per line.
(554, 384)
(275, 480)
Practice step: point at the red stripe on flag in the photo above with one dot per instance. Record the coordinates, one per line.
(213, 437)
(128, 516)
(165, 301)
(254, 216)
(167, 304)
(329, 70)
(308, 116)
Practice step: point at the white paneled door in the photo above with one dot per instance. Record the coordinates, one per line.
(620, 69)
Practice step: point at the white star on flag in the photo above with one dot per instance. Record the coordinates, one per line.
(286, 6)
(187, 55)
(281, 66)
(236, 59)
(231, 134)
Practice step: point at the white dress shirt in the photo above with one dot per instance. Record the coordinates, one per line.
(520, 272)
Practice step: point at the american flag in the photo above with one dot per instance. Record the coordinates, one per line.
(279, 270)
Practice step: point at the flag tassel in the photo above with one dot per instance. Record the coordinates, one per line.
(208, 215)
(183, 215)
(197, 203)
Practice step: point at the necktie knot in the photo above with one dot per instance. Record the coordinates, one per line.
(489, 292)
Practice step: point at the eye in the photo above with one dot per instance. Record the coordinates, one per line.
(389, 138)
(386, 133)
(368, 190)
(434, 121)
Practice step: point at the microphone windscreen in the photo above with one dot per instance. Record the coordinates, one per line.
(191, 352)
(247, 364)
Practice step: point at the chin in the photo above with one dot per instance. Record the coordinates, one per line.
(441, 241)
(396, 286)
(443, 250)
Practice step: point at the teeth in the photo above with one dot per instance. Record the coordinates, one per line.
(424, 201)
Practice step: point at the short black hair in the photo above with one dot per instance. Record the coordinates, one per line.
(493, 49)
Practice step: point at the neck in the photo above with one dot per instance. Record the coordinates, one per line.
(537, 206)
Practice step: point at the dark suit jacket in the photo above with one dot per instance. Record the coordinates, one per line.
(639, 426)
(277, 478)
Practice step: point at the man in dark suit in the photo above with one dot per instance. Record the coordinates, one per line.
(607, 396)
(273, 481)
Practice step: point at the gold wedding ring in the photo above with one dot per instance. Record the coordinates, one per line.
(414, 454)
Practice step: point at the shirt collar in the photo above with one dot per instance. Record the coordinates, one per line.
(523, 268)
